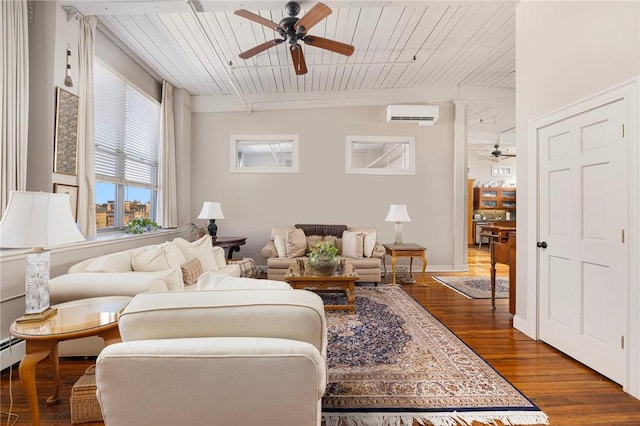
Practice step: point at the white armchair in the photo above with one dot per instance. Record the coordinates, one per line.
(222, 357)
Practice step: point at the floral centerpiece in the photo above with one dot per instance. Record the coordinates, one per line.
(323, 258)
(140, 225)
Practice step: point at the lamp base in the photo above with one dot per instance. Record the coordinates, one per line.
(38, 317)
(398, 233)
(213, 228)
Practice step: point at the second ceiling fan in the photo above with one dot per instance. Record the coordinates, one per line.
(293, 30)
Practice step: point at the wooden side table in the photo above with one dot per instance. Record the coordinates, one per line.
(232, 243)
(406, 250)
(96, 316)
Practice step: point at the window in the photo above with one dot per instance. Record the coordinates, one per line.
(127, 140)
(264, 154)
(381, 155)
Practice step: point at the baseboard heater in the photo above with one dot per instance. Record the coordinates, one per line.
(11, 351)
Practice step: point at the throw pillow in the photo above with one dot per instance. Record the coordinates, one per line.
(150, 259)
(191, 270)
(172, 277)
(352, 244)
(280, 246)
(295, 243)
(218, 253)
(312, 240)
(116, 262)
(369, 243)
(202, 249)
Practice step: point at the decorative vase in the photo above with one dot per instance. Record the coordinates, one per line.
(323, 265)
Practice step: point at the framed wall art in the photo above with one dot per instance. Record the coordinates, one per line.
(72, 190)
(66, 135)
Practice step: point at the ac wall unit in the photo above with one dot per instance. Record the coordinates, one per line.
(424, 115)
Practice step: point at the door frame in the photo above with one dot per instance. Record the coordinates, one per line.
(630, 93)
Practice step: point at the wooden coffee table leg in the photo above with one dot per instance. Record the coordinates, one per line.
(36, 351)
(351, 297)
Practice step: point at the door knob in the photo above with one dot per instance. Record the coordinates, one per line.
(542, 244)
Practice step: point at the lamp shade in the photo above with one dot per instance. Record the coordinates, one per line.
(38, 219)
(211, 210)
(398, 213)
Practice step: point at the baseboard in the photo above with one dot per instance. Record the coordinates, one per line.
(11, 351)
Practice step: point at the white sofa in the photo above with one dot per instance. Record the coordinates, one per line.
(158, 267)
(220, 358)
(151, 268)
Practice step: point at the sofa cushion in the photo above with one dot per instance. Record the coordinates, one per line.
(191, 270)
(157, 258)
(114, 262)
(352, 244)
(295, 243)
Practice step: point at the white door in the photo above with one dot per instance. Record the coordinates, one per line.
(582, 217)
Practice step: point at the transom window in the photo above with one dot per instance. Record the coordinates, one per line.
(381, 155)
(264, 154)
(127, 140)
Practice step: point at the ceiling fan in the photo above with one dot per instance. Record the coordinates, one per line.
(497, 154)
(293, 30)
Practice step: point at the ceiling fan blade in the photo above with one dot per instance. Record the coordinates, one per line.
(257, 18)
(332, 45)
(316, 14)
(299, 63)
(260, 48)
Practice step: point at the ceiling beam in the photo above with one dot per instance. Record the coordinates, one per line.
(284, 101)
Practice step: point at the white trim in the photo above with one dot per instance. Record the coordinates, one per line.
(410, 152)
(11, 355)
(629, 91)
(459, 181)
(295, 160)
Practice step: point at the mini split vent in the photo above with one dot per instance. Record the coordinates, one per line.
(424, 115)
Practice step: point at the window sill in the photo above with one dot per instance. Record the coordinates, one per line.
(97, 240)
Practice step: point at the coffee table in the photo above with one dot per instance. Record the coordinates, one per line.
(96, 316)
(343, 283)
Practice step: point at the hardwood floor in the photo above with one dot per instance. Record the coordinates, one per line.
(567, 391)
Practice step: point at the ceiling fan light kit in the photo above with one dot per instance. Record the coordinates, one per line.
(292, 30)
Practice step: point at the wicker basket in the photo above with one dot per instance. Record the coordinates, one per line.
(84, 404)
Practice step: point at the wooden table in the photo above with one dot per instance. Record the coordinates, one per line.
(504, 253)
(232, 243)
(501, 232)
(97, 316)
(405, 250)
(326, 284)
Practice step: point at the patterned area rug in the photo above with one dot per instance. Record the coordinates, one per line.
(391, 362)
(476, 287)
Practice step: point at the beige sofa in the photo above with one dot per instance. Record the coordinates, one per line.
(223, 357)
(360, 248)
(158, 267)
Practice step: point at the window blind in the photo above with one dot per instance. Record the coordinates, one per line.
(127, 132)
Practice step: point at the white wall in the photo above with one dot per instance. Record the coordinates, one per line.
(322, 192)
(565, 51)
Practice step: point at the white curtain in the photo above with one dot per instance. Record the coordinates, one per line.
(14, 98)
(86, 148)
(167, 198)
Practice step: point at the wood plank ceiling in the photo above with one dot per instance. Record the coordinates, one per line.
(438, 48)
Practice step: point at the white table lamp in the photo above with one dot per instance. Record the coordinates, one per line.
(398, 214)
(38, 220)
(211, 210)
